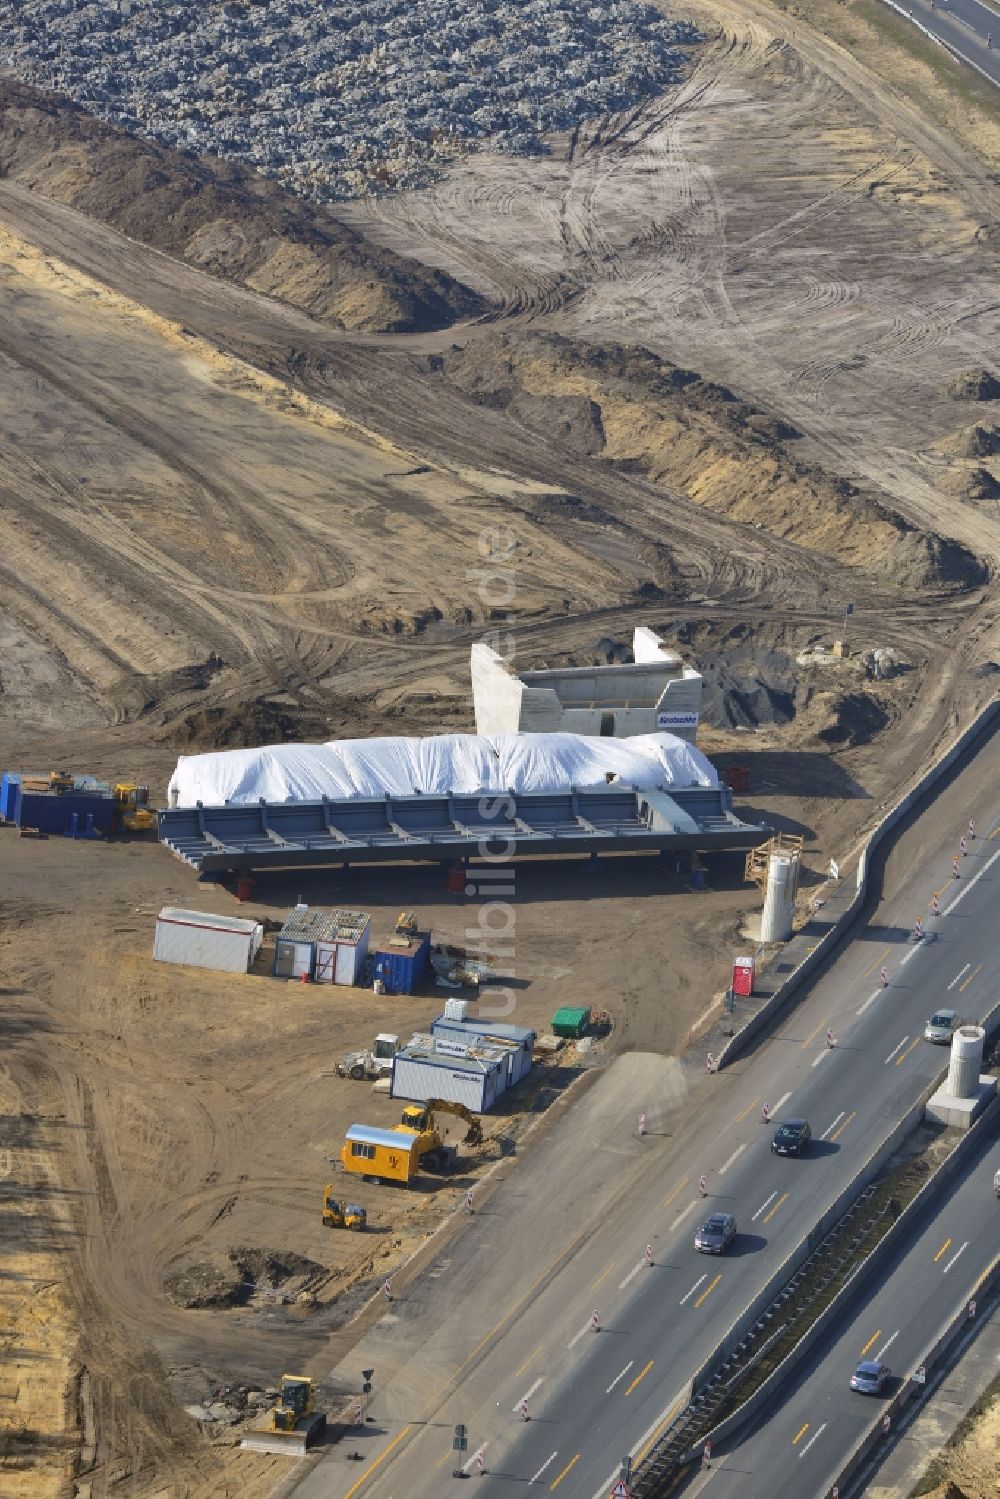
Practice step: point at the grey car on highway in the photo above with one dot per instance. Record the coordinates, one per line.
(870, 1377)
(716, 1234)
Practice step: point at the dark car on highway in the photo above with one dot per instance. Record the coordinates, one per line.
(716, 1234)
(870, 1378)
(792, 1137)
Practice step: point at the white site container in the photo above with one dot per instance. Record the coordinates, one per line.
(343, 947)
(201, 940)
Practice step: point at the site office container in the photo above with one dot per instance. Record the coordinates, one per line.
(476, 1082)
(517, 1043)
(340, 960)
(228, 944)
(401, 969)
(293, 959)
(385, 1153)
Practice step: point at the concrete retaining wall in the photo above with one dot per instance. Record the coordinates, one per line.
(820, 954)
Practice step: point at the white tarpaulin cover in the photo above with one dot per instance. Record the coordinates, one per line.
(462, 764)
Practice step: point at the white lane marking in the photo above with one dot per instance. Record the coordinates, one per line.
(819, 1058)
(954, 1257)
(732, 1159)
(632, 1275)
(914, 949)
(516, 1409)
(781, 1103)
(619, 1377)
(546, 1464)
(588, 1326)
(684, 1212)
(886, 1346)
(817, 1433)
(974, 881)
(832, 1126)
(692, 1290)
(763, 1205)
(869, 1001)
(895, 1049)
(960, 974)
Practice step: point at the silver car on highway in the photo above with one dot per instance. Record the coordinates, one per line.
(942, 1026)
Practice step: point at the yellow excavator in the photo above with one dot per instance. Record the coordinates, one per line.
(338, 1214)
(132, 809)
(433, 1153)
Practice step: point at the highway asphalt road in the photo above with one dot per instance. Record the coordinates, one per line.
(964, 26)
(819, 1422)
(564, 1234)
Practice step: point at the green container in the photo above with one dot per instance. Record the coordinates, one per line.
(571, 1021)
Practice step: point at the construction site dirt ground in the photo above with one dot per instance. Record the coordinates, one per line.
(227, 523)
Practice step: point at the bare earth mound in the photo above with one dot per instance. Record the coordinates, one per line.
(638, 409)
(223, 217)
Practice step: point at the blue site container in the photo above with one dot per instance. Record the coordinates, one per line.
(53, 813)
(401, 969)
(10, 785)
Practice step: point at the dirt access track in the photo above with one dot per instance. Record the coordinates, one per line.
(227, 521)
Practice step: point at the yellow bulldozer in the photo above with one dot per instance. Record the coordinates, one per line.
(132, 810)
(296, 1402)
(339, 1214)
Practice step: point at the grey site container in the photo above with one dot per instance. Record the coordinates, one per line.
(422, 1074)
(517, 1042)
(200, 939)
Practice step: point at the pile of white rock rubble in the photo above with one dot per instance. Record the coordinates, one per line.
(338, 97)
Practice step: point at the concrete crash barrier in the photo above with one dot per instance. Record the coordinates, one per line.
(796, 980)
(889, 1243)
(949, 1343)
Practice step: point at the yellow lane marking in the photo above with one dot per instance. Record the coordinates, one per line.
(571, 1464)
(441, 1461)
(873, 1339)
(708, 1290)
(607, 1271)
(657, 1434)
(996, 832)
(529, 1359)
(671, 1195)
(943, 1250)
(777, 1205)
(841, 1127)
(378, 1461)
(800, 1434)
(748, 1110)
(810, 1038)
(962, 987)
(639, 1377)
(904, 1054)
(876, 962)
